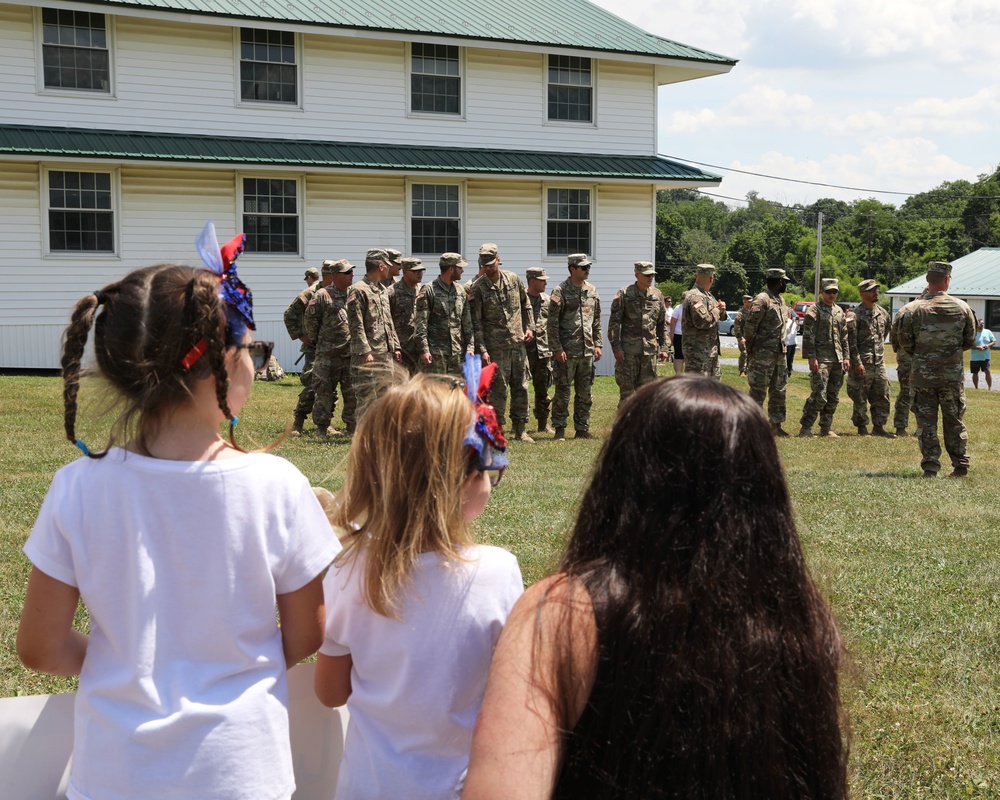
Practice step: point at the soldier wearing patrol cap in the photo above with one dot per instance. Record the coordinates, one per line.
(402, 303)
(867, 383)
(637, 331)
(764, 341)
(738, 323)
(700, 322)
(488, 253)
(442, 321)
(373, 336)
(824, 344)
(295, 325)
(327, 325)
(935, 329)
(574, 334)
(312, 275)
(538, 352)
(395, 261)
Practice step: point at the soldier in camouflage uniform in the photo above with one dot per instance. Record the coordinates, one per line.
(741, 318)
(700, 321)
(373, 337)
(574, 334)
(637, 331)
(442, 321)
(867, 383)
(764, 339)
(395, 261)
(502, 323)
(824, 344)
(402, 303)
(326, 323)
(904, 363)
(935, 330)
(537, 350)
(295, 325)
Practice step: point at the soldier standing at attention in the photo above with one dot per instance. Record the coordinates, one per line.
(442, 322)
(824, 343)
(326, 322)
(502, 322)
(741, 318)
(637, 331)
(867, 383)
(295, 325)
(935, 330)
(574, 333)
(395, 265)
(764, 338)
(402, 304)
(373, 337)
(537, 350)
(700, 320)
(487, 253)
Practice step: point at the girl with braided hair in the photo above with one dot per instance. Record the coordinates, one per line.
(180, 544)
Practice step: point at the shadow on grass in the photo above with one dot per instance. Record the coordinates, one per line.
(890, 474)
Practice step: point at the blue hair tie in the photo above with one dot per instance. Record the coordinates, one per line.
(233, 421)
(83, 448)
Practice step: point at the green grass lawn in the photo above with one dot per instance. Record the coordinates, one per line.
(911, 567)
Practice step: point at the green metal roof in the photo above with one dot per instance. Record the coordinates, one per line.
(974, 275)
(48, 142)
(552, 23)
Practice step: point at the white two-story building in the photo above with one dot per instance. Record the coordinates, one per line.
(321, 128)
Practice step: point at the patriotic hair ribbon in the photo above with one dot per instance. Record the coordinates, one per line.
(485, 436)
(222, 261)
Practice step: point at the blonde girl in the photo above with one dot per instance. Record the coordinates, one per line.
(414, 606)
(180, 545)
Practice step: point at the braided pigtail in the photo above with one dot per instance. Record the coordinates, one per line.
(74, 343)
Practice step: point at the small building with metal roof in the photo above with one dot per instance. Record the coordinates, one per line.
(321, 128)
(975, 278)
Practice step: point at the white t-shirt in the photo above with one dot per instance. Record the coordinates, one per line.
(791, 329)
(417, 681)
(183, 691)
(677, 317)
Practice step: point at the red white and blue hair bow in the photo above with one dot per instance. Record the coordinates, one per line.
(485, 435)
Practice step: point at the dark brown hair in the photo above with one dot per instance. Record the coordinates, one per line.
(144, 325)
(717, 663)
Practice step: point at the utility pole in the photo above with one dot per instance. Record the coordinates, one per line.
(819, 249)
(868, 272)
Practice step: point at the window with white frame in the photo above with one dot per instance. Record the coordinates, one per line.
(435, 79)
(569, 220)
(271, 215)
(435, 220)
(81, 212)
(268, 69)
(571, 89)
(75, 52)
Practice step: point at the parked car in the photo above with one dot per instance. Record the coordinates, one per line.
(848, 306)
(726, 325)
(800, 309)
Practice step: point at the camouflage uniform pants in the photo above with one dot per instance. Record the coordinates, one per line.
(445, 365)
(541, 380)
(578, 373)
(328, 373)
(904, 400)
(766, 373)
(872, 389)
(632, 372)
(369, 379)
(698, 358)
(825, 384)
(511, 377)
(742, 366)
(411, 360)
(307, 396)
(951, 400)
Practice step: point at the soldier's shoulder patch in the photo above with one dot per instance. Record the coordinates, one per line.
(351, 297)
(312, 302)
(699, 305)
(554, 299)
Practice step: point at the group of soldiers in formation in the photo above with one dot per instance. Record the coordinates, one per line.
(345, 326)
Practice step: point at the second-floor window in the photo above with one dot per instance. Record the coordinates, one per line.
(568, 222)
(268, 72)
(75, 51)
(435, 79)
(271, 215)
(571, 89)
(435, 221)
(81, 212)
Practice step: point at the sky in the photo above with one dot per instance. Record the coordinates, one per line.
(884, 96)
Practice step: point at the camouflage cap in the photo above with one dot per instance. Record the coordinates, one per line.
(394, 256)
(452, 260)
(645, 268)
(939, 268)
(340, 267)
(777, 273)
(377, 252)
(705, 269)
(578, 260)
(328, 266)
(830, 283)
(488, 253)
(747, 297)
(868, 285)
(536, 273)
(413, 264)
(312, 272)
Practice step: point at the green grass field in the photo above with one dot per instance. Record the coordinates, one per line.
(911, 567)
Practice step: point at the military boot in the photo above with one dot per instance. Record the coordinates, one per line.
(321, 432)
(560, 435)
(878, 430)
(901, 432)
(519, 434)
(825, 431)
(297, 426)
(584, 435)
(959, 472)
(777, 430)
(543, 426)
(862, 430)
(805, 432)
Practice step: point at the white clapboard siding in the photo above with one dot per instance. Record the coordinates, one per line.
(179, 75)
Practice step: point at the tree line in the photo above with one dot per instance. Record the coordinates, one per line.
(861, 239)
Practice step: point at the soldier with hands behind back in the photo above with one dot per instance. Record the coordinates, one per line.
(637, 331)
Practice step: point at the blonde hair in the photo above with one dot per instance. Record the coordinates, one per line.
(403, 491)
